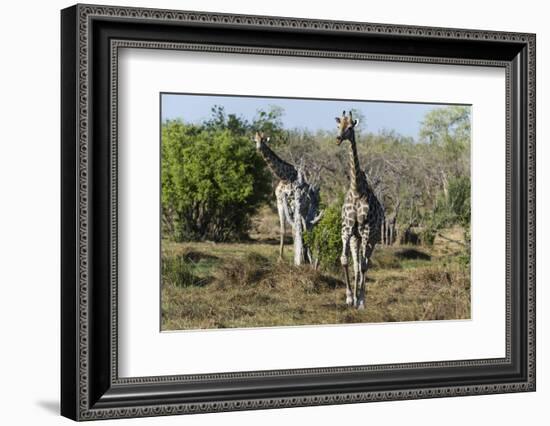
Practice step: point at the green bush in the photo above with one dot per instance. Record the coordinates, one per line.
(459, 199)
(450, 208)
(212, 181)
(325, 237)
(427, 236)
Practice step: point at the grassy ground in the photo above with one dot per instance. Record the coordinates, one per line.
(207, 285)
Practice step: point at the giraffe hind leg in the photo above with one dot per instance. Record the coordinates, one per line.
(367, 248)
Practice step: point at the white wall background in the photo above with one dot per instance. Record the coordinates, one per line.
(29, 212)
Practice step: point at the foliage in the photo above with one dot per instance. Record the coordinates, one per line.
(219, 120)
(270, 123)
(458, 199)
(428, 234)
(453, 206)
(212, 179)
(448, 127)
(325, 237)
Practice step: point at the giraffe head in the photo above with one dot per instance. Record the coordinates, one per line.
(346, 127)
(259, 137)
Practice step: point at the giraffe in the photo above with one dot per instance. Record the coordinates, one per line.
(362, 216)
(297, 201)
(303, 216)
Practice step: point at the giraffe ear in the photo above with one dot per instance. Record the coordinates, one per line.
(337, 119)
(355, 122)
(268, 138)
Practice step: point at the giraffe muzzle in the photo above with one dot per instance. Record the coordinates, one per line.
(339, 140)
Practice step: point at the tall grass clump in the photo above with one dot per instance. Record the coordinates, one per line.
(178, 270)
(242, 272)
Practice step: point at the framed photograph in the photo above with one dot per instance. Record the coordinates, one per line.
(263, 212)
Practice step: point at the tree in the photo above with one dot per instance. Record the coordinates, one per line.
(270, 123)
(449, 125)
(447, 130)
(212, 179)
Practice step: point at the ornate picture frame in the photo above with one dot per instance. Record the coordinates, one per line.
(91, 37)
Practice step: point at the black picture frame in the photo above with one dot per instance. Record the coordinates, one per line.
(90, 386)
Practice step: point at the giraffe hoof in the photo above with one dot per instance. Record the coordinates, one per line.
(349, 298)
(361, 305)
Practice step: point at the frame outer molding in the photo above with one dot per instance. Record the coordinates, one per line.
(76, 402)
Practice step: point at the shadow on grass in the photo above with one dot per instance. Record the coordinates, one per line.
(268, 241)
(330, 281)
(197, 256)
(412, 254)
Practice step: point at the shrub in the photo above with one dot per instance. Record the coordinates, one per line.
(427, 236)
(325, 237)
(459, 199)
(212, 182)
(451, 208)
(454, 206)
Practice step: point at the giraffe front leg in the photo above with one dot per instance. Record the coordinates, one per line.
(280, 209)
(357, 277)
(344, 261)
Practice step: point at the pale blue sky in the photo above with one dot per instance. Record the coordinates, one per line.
(311, 114)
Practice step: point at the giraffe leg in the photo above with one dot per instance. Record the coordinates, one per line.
(367, 248)
(309, 256)
(356, 256)
(344, 261)
(280, 209)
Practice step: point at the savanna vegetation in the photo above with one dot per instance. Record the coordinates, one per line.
(220, 264)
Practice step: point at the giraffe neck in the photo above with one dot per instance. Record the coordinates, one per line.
(278, 167)
(358, 183)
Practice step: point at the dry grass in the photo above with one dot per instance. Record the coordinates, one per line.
(244, 285)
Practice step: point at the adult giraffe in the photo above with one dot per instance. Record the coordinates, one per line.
(362, 216)
(297, 200)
